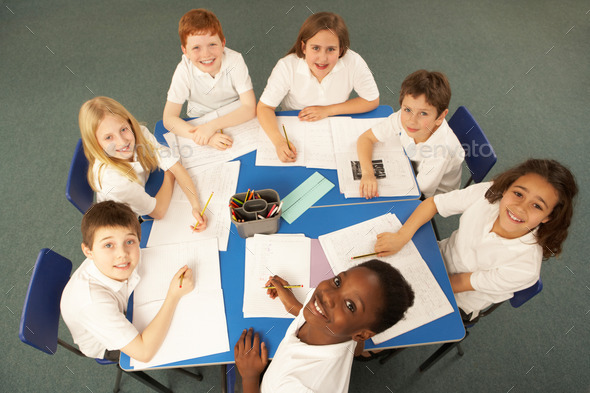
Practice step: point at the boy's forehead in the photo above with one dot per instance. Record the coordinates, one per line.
(197, 35)
(107, 231)
(417, 102)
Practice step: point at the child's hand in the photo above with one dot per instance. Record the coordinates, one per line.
(182, 282)
(202, 133)
(313, 113)
(250, 360)
(201, 224)
(284, 153)
(220, 141)
(285, 295)
(368, 186)
(389, 243)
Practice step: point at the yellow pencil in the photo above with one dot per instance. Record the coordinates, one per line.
(205, 208)
(285, 286)
(366, 255)
(181, 278)
(286, 137)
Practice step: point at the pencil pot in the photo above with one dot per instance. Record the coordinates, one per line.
(256, 212)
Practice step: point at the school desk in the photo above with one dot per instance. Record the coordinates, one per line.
(330, 213)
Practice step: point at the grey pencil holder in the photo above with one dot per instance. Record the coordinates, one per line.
(252, 214)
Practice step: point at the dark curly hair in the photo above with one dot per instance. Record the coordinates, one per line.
(396, 293)
(552, 234)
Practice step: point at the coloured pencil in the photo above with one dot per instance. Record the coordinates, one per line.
(285, 286)
(286, 137)
(205, 208)
(365, 255)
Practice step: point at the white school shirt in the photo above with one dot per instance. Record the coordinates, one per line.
(113, 186)
(205, 93)
(500, 266)
(93, 306)
(298, 367)
(437, 161)
(292, 83)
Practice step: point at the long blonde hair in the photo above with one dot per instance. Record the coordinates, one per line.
(91, 115)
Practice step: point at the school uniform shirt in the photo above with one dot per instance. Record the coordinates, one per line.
(298, 367)
(93, 306)
(206, 93)
(437, 161)
(500, 266)
(292, 83)
(113, 186)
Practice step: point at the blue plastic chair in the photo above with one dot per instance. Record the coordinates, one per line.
(40, 318)
(78, 191)
(479, 153)
(519, 298)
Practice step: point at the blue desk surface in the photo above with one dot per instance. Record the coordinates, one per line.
(334, 212)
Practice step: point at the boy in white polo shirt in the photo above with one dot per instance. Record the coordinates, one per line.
(94, 302)
(429, 142)
(209, 76)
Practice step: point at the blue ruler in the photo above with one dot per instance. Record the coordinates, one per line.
(304, 196)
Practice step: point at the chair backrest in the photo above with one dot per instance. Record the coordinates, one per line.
(521, 297)
(479, 153)
(39, 321)
(78, 191)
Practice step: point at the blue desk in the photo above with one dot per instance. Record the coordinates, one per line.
(334, 212)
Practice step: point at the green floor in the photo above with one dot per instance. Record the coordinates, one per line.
(522, 68)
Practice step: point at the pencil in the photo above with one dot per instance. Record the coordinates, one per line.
(205, 208)
(181, 278)
(286, 137)
(285, 286)
(237, 201)
(365, 255)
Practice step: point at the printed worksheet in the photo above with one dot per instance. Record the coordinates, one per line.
(430, 302)
(283, 255)
(219, 179)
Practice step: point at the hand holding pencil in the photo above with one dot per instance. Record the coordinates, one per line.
(182, 282)
(285, 295)
(286, 151)
(201, 224)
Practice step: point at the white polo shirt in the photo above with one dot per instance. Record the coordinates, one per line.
(113, 186)
(205, 93)
(93, 307)
(500, 266)
(299, 367)
(437, 161)
(292, 84)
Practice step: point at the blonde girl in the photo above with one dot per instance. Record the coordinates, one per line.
(121, 155)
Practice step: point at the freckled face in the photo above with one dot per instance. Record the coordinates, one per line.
(321, 53)
(419, 118)
(205, 52)
(528, 202)
(115, 137)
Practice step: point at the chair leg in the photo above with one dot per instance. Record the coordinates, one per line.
(149, 381)
(223, 378)
(435, 357)
(118, 380)
(198, 376)
(460, 350)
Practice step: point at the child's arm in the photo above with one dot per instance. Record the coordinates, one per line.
(188, 187)
(268, 122)
(364, 149)
(145, 345)
(389, 243)
(163, 196)
(202, 134)
(250, 360)
(286, 296)
(174, 123)
(461, 282)
(354, 105)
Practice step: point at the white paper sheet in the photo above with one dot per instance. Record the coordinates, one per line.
(266, 154)
(222, 180)
(189, 335)
(287, 256)
(430, 301)
(390, 157)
